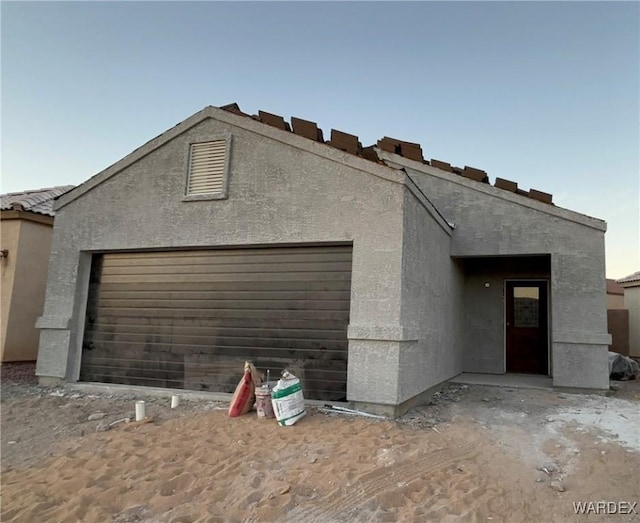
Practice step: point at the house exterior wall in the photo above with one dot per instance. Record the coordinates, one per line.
(413, 303)
(24, 278)
(278, 194)
(9, 238)
(492, 222)
(618, 322)
(632, 302)
(432, 311)
(615, 301)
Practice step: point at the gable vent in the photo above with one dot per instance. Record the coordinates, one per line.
(207, 167)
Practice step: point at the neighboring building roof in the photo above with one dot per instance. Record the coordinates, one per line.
(39, 200)
(632, 280)
(614, 288)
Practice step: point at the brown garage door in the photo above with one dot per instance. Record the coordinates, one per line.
(189, 319)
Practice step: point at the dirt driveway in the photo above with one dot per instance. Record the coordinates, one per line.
(480, 454)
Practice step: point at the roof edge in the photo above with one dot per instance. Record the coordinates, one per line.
(321, 149)
(29, 216)
(328, 152)
(633, 280)
(431, 209)
(552, 210)
(248, 124)
(134, 156)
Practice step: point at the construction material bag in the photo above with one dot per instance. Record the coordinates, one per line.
(244, 396)
(287, 399)
(622, 368)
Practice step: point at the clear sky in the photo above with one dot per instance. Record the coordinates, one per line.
(542, 93)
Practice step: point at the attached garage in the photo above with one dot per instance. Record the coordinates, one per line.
(190, 318)
(370, 272)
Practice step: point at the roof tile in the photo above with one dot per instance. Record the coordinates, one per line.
(635, 277)
(39, 200)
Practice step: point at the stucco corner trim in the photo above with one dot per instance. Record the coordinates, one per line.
(382, 333)
(581, 338)
(53, 322)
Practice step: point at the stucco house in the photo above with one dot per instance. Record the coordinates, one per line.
(617, 318)
(26, 227)
(373, 274)
(631, 286)
(615, 295)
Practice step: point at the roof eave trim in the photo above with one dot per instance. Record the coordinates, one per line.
(559, 212)
(30, 216)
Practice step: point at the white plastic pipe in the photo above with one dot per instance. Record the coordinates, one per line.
(139, 410)
(175, 401)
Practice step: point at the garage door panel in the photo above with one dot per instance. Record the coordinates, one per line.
(158, 295)
(264, 253)
(102, 330)
(236, 350)
(172, 339)
(189, 319)
(206, 259)
(249, 268)
(224, 313)
(283, 277)
(198, 304)
(235, 286)
(200, 372)
(154, 369)
(240, 323)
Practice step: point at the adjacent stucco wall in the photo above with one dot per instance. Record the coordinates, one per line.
(632, 302)
(25, 269)
(492, 222)
(484, 307)
(278, 194)
(618, 322)
(615, 301)
(9, 237)
(432, 311)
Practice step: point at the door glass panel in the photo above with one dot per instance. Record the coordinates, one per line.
(526, 309)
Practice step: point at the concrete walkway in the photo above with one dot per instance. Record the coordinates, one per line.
(521, 381)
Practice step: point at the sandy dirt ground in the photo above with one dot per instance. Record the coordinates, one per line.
(477, 454)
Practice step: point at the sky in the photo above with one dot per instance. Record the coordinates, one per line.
(542, 93)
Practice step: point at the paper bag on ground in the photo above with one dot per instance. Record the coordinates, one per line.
(244, 395)
(287, 400)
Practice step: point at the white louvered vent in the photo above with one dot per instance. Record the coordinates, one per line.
(207, 167)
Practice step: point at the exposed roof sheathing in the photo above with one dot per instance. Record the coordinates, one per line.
(412, 151)
(39, 201)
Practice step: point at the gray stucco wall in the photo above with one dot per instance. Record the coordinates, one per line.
(432, 311)
(278, 194)
(492, 222)
(632, 302)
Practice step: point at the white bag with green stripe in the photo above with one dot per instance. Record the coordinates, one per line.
(287, 399)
